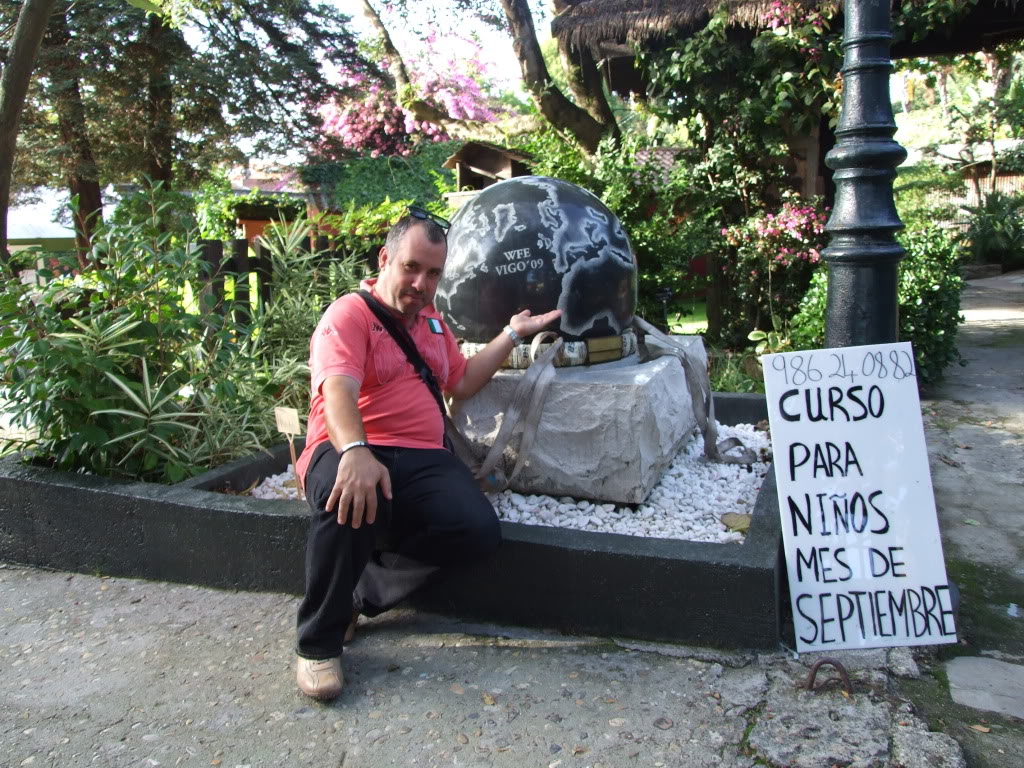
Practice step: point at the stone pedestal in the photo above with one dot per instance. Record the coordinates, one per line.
(693, 344)
(607, 431)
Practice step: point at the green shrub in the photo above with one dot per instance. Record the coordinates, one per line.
(807, 327)
(303, 286)
(112, 376)
(177, 211)
(561, 158)
(360, 229)
(1012, 159)
(93, 360)
(652, 203)
(734, 371)
(366, 195)
(923, 194)
(367, 181)
(929, 302)
(218, 209)
(995, 234)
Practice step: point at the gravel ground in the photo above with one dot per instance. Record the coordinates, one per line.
(118, 672)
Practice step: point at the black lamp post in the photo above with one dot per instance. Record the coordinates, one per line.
(863, 254)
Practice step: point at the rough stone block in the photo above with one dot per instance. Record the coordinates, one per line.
(901, 663)
(694, 345)
(606, 433)
(801, 729)
(914, 746)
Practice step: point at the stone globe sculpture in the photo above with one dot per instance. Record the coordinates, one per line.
(537, 243)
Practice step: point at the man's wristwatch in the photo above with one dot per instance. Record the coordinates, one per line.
(350, 446)
(516, 338)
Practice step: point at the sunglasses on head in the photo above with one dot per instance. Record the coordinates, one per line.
(422, 213)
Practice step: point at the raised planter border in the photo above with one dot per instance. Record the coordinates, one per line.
(575, 581)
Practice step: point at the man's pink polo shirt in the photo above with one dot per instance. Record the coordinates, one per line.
(396, 406)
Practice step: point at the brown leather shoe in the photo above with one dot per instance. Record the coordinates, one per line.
(321, 679)
(350, 630)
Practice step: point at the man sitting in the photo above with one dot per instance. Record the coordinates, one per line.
(374, 461)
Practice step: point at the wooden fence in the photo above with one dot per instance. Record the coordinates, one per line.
(1010, 183)
(238, 258)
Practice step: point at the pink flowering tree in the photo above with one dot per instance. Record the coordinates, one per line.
(382, 120)
(772, 257)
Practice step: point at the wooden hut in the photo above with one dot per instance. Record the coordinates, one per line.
(478, 164)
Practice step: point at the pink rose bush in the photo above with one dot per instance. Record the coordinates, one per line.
(772, 257)
(795, 233)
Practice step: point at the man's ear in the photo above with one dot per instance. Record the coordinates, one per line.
(382, 257)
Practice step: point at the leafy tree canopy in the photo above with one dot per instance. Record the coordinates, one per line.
(233, 72)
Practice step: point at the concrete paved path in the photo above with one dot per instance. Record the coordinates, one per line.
(117, 672)
(974, 425)
(988, 684)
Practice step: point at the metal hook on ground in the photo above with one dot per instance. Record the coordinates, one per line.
(809, 685)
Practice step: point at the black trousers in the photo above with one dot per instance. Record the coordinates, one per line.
(438, 517)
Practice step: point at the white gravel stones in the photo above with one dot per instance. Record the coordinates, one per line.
(685, 504)
(282, 486)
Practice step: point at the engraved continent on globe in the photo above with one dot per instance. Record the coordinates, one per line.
(537, 243)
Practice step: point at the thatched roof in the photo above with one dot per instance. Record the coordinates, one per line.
(592, 22)
(608, 24)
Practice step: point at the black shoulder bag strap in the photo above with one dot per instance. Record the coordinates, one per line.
(407, 345)
(454, 442)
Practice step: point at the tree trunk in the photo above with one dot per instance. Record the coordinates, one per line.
(999, 77)
(714, 298)
(65, 95)
(159, 103)
(976, 185)
(552, 103)
(404, 90)
(587, 86)
(993, 168)
(17, 71)
(943, 81)
(89, 214)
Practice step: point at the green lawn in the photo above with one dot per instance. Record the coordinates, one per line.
(693, 319)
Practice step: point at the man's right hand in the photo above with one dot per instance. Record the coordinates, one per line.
(355, 487)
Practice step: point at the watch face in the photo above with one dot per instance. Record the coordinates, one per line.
(537, 243)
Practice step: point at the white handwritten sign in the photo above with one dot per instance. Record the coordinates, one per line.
(855, 494)
(287, 421)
